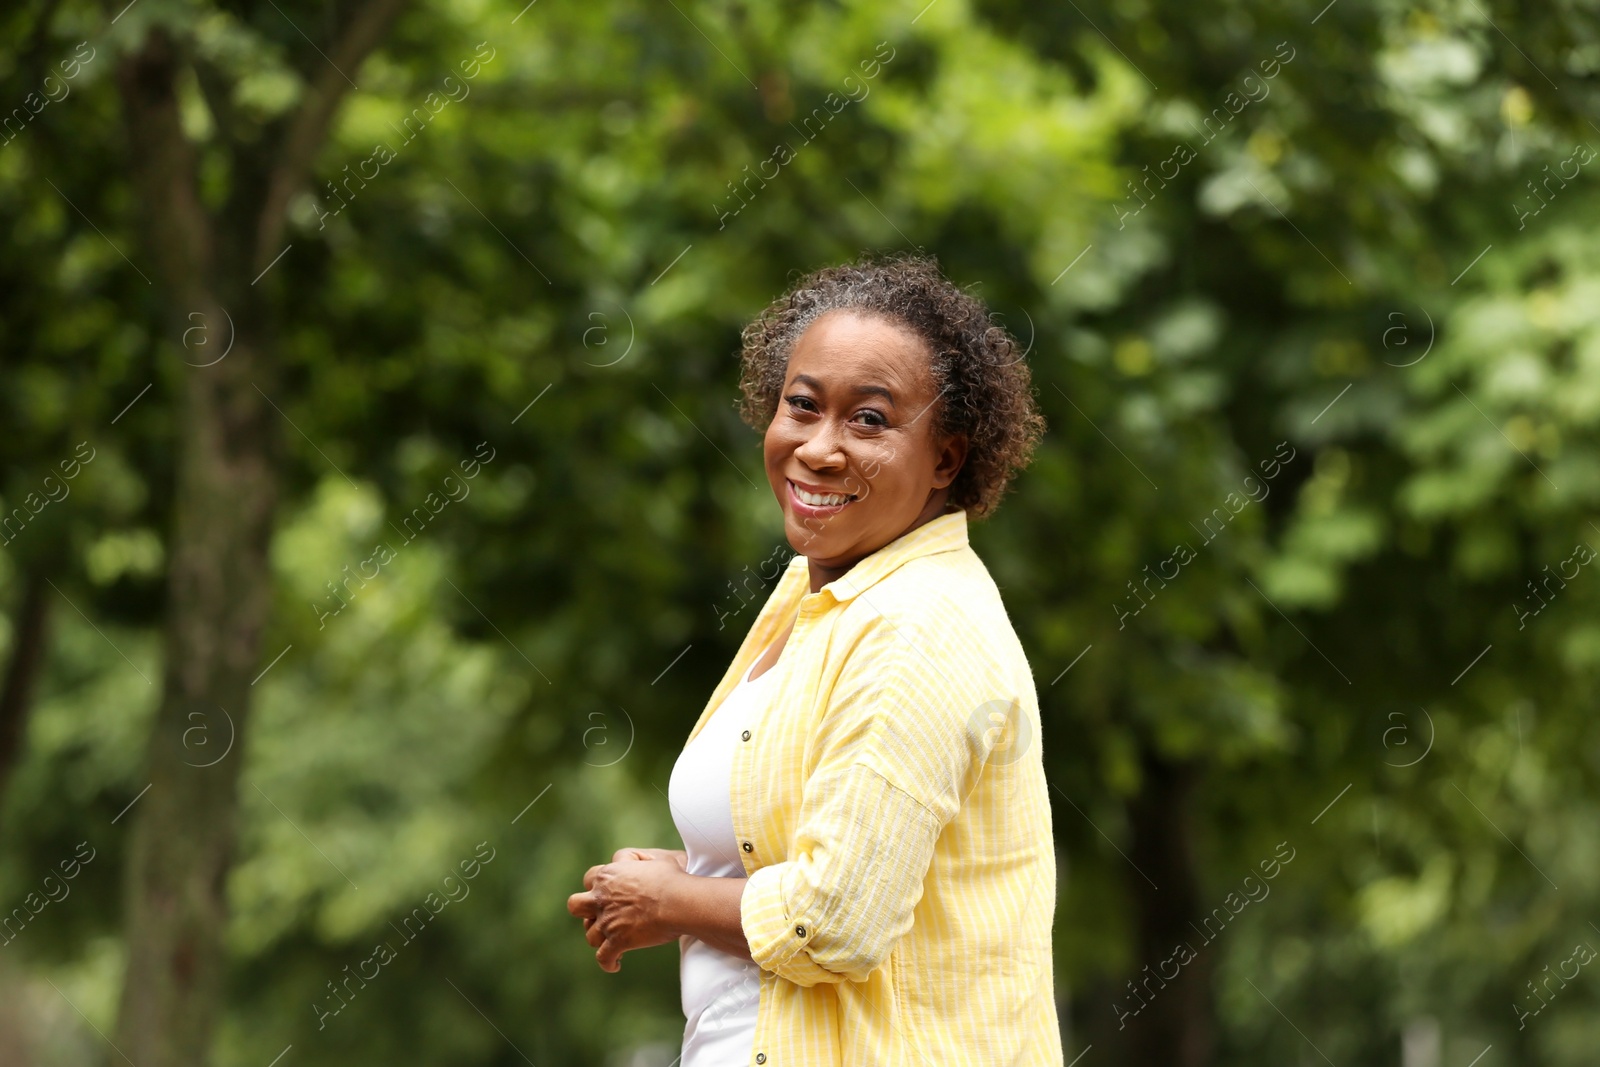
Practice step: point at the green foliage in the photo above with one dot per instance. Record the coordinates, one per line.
(565, 236)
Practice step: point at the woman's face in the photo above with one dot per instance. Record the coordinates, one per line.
(851, 452)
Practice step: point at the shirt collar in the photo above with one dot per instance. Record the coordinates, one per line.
(945, 533)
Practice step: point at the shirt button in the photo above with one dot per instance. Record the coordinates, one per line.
(745, 736)
(761, 1057)
(748, 847)
(799, 931)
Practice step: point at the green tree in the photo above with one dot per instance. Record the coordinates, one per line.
(549, 263)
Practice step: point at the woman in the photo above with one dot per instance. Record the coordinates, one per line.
(869, 877)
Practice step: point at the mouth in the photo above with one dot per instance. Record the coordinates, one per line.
(811, 502)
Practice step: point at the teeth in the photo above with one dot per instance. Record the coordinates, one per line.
(821, 500)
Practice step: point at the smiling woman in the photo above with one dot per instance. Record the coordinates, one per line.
(862, 883)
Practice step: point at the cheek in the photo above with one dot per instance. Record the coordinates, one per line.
(773, 444)
(885, 466)
(784, 434)
(777, 446)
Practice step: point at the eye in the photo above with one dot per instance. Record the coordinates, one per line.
(872, 417)
(798, 402)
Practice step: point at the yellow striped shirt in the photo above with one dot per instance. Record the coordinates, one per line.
(893, 818)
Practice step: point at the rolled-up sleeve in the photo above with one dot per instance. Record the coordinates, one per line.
(897, 753)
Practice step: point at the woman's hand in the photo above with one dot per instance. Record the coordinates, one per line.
(678, 856)
(622, 905)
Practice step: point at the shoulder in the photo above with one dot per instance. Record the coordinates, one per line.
(946, 597)
(939, 617)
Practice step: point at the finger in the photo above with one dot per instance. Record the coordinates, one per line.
(609, 956)
(582, 904)
(590, 875)
(623, 855)
(594, 936)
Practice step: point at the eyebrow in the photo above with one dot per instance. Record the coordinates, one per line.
(858, 390)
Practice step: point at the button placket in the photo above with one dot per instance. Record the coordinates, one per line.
(736, 793)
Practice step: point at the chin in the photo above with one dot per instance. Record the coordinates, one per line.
(818, 546)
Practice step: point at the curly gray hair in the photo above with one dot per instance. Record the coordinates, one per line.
(985, 389)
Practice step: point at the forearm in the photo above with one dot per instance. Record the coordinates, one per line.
(707, 908)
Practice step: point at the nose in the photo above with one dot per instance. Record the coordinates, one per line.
(824, 448)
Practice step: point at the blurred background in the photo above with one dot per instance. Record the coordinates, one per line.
(375, 518)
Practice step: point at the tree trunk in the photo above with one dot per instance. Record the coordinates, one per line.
(219, 593)
(218, 601)
(219, 581)
(27, 657)
(1175, 1027)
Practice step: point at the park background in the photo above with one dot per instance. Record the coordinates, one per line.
(376, 511)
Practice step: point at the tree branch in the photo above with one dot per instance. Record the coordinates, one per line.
(309, 127)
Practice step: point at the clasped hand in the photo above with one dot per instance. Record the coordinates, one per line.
(622, 903)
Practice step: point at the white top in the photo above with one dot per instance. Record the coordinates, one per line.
(720, 992)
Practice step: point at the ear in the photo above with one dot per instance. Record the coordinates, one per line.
(951, 456)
